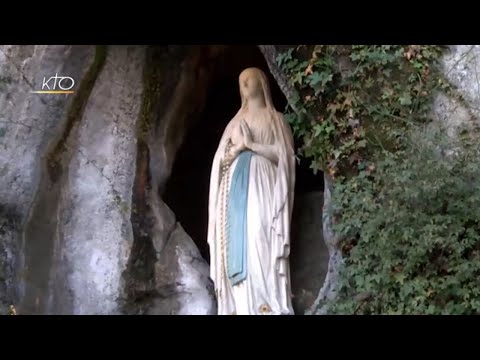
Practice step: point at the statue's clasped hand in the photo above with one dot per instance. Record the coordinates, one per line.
(246, 135)
(241, 140)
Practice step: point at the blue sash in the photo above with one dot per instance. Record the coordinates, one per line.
(237, 220)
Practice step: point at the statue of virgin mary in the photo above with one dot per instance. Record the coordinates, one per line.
(250, 206)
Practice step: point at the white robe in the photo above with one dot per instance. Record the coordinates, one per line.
(266, 289)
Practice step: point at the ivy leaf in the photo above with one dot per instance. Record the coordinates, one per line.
(315, 78)
(333, 107)
(317, 88)
(329, 129)
(298, 78)
(291, 64)
(405, 99)
(362, 143)
(327, 79)
(318, 80)
(348, 99)
(387, 92)
(317, 130)
(369, 82)
(284, 57)
(295, 98)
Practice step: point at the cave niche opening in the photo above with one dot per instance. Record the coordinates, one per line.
(186, 191)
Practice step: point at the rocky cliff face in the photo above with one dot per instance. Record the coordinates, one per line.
(29, 125)
(460, 108)
(93, 234)
(68, 167)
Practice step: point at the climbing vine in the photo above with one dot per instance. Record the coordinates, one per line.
(352, 101)
(406, 215)
(411, 234)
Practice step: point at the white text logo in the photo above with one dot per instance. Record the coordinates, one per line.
(57, 85)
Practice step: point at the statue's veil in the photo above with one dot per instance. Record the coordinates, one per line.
(260, 75)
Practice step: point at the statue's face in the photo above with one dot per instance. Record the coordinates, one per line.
(250, 85)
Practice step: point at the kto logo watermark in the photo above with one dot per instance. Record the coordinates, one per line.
(57, 85)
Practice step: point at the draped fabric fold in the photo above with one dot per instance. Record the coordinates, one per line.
(237, 220)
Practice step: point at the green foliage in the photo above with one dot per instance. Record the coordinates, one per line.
(411, 233)
(352, 101)
(405, 209)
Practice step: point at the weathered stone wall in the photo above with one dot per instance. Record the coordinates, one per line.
(461, 107)
(29, 124)
(69, 170)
